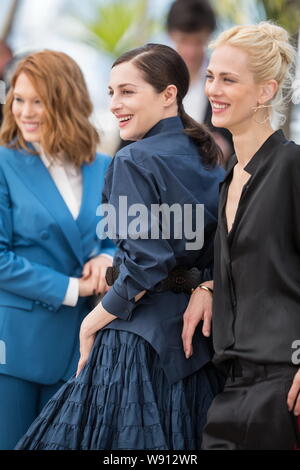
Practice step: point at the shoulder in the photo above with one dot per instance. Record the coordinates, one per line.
(9, 156)
(158, 147)
(289, 154)
(102, 157)
(291, 151)
(102, 160)
(6, 153)
(131, 155)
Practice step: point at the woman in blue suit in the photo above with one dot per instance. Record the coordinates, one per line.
(136, 386)
(51, 260)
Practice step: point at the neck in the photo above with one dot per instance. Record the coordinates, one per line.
(248, 142)
(194, 72)
(193, 75)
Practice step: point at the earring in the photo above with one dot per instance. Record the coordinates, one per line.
(257, 108)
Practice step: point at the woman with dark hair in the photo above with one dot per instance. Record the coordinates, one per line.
(136, 387)
(51, 261)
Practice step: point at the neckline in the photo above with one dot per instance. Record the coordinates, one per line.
(274, 139)
(245, 187)
(271, 142)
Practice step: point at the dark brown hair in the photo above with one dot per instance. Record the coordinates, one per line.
(191, 16)
(61, 88)
(163, 66)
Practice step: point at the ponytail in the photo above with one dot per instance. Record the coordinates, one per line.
(202, 137)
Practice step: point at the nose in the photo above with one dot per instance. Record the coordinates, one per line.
(192, 52)
(28, 109)
(115, 103)
(213, 88)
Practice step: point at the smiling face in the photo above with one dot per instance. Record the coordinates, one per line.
(135, 103)
(231, 89)
(27, 109)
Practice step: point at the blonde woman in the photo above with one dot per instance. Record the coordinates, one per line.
(256, 315)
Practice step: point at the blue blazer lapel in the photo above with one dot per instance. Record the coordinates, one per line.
(93, 178)
(35, 175)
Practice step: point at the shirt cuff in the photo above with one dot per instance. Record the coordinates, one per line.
(106, 255)
(117, 305)
(72, 294)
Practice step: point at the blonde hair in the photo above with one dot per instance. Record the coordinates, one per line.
(271, 57)
(61, 87)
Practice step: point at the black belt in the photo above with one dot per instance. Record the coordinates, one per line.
(179, 280)
(237, 367)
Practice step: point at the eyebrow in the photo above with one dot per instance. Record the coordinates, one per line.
(122, 85)
(20, 95)
(224, 73)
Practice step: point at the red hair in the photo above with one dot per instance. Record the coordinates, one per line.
(61, 88)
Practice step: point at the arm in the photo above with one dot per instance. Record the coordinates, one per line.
(17, 274)
(146, 260)
(199, 309)
(293, 400)
(107, 247)
(96, 267)
(98, 318)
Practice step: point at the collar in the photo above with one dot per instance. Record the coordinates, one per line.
(173, 123)
(275, 139)
(48, 161)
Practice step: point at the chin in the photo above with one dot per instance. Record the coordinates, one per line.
(127, 136)
(32, 137)
(217, 122)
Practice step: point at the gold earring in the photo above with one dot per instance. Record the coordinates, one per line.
(261, 106)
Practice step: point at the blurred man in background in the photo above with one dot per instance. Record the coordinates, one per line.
(190, 24)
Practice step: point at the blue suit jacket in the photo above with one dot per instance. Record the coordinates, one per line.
(41, 246)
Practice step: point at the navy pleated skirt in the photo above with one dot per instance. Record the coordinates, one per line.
(122, 400)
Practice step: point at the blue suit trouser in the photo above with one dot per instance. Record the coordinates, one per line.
(20, 403)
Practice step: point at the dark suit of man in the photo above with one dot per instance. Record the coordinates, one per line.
(256, 315)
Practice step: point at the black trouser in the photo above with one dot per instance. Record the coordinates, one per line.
(251, 413)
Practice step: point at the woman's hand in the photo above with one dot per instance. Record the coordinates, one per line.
(86, 345)
(198, 309)
(293, 400)
(94, 321)
(93, 276)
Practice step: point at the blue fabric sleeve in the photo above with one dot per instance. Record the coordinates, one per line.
(146, 261)
(17, 274)
(107, 247)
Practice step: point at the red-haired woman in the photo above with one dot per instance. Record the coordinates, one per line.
(51, 260)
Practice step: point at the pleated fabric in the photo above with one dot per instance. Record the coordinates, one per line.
(122, 400)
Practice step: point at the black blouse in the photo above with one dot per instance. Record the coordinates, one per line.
(257, 265)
